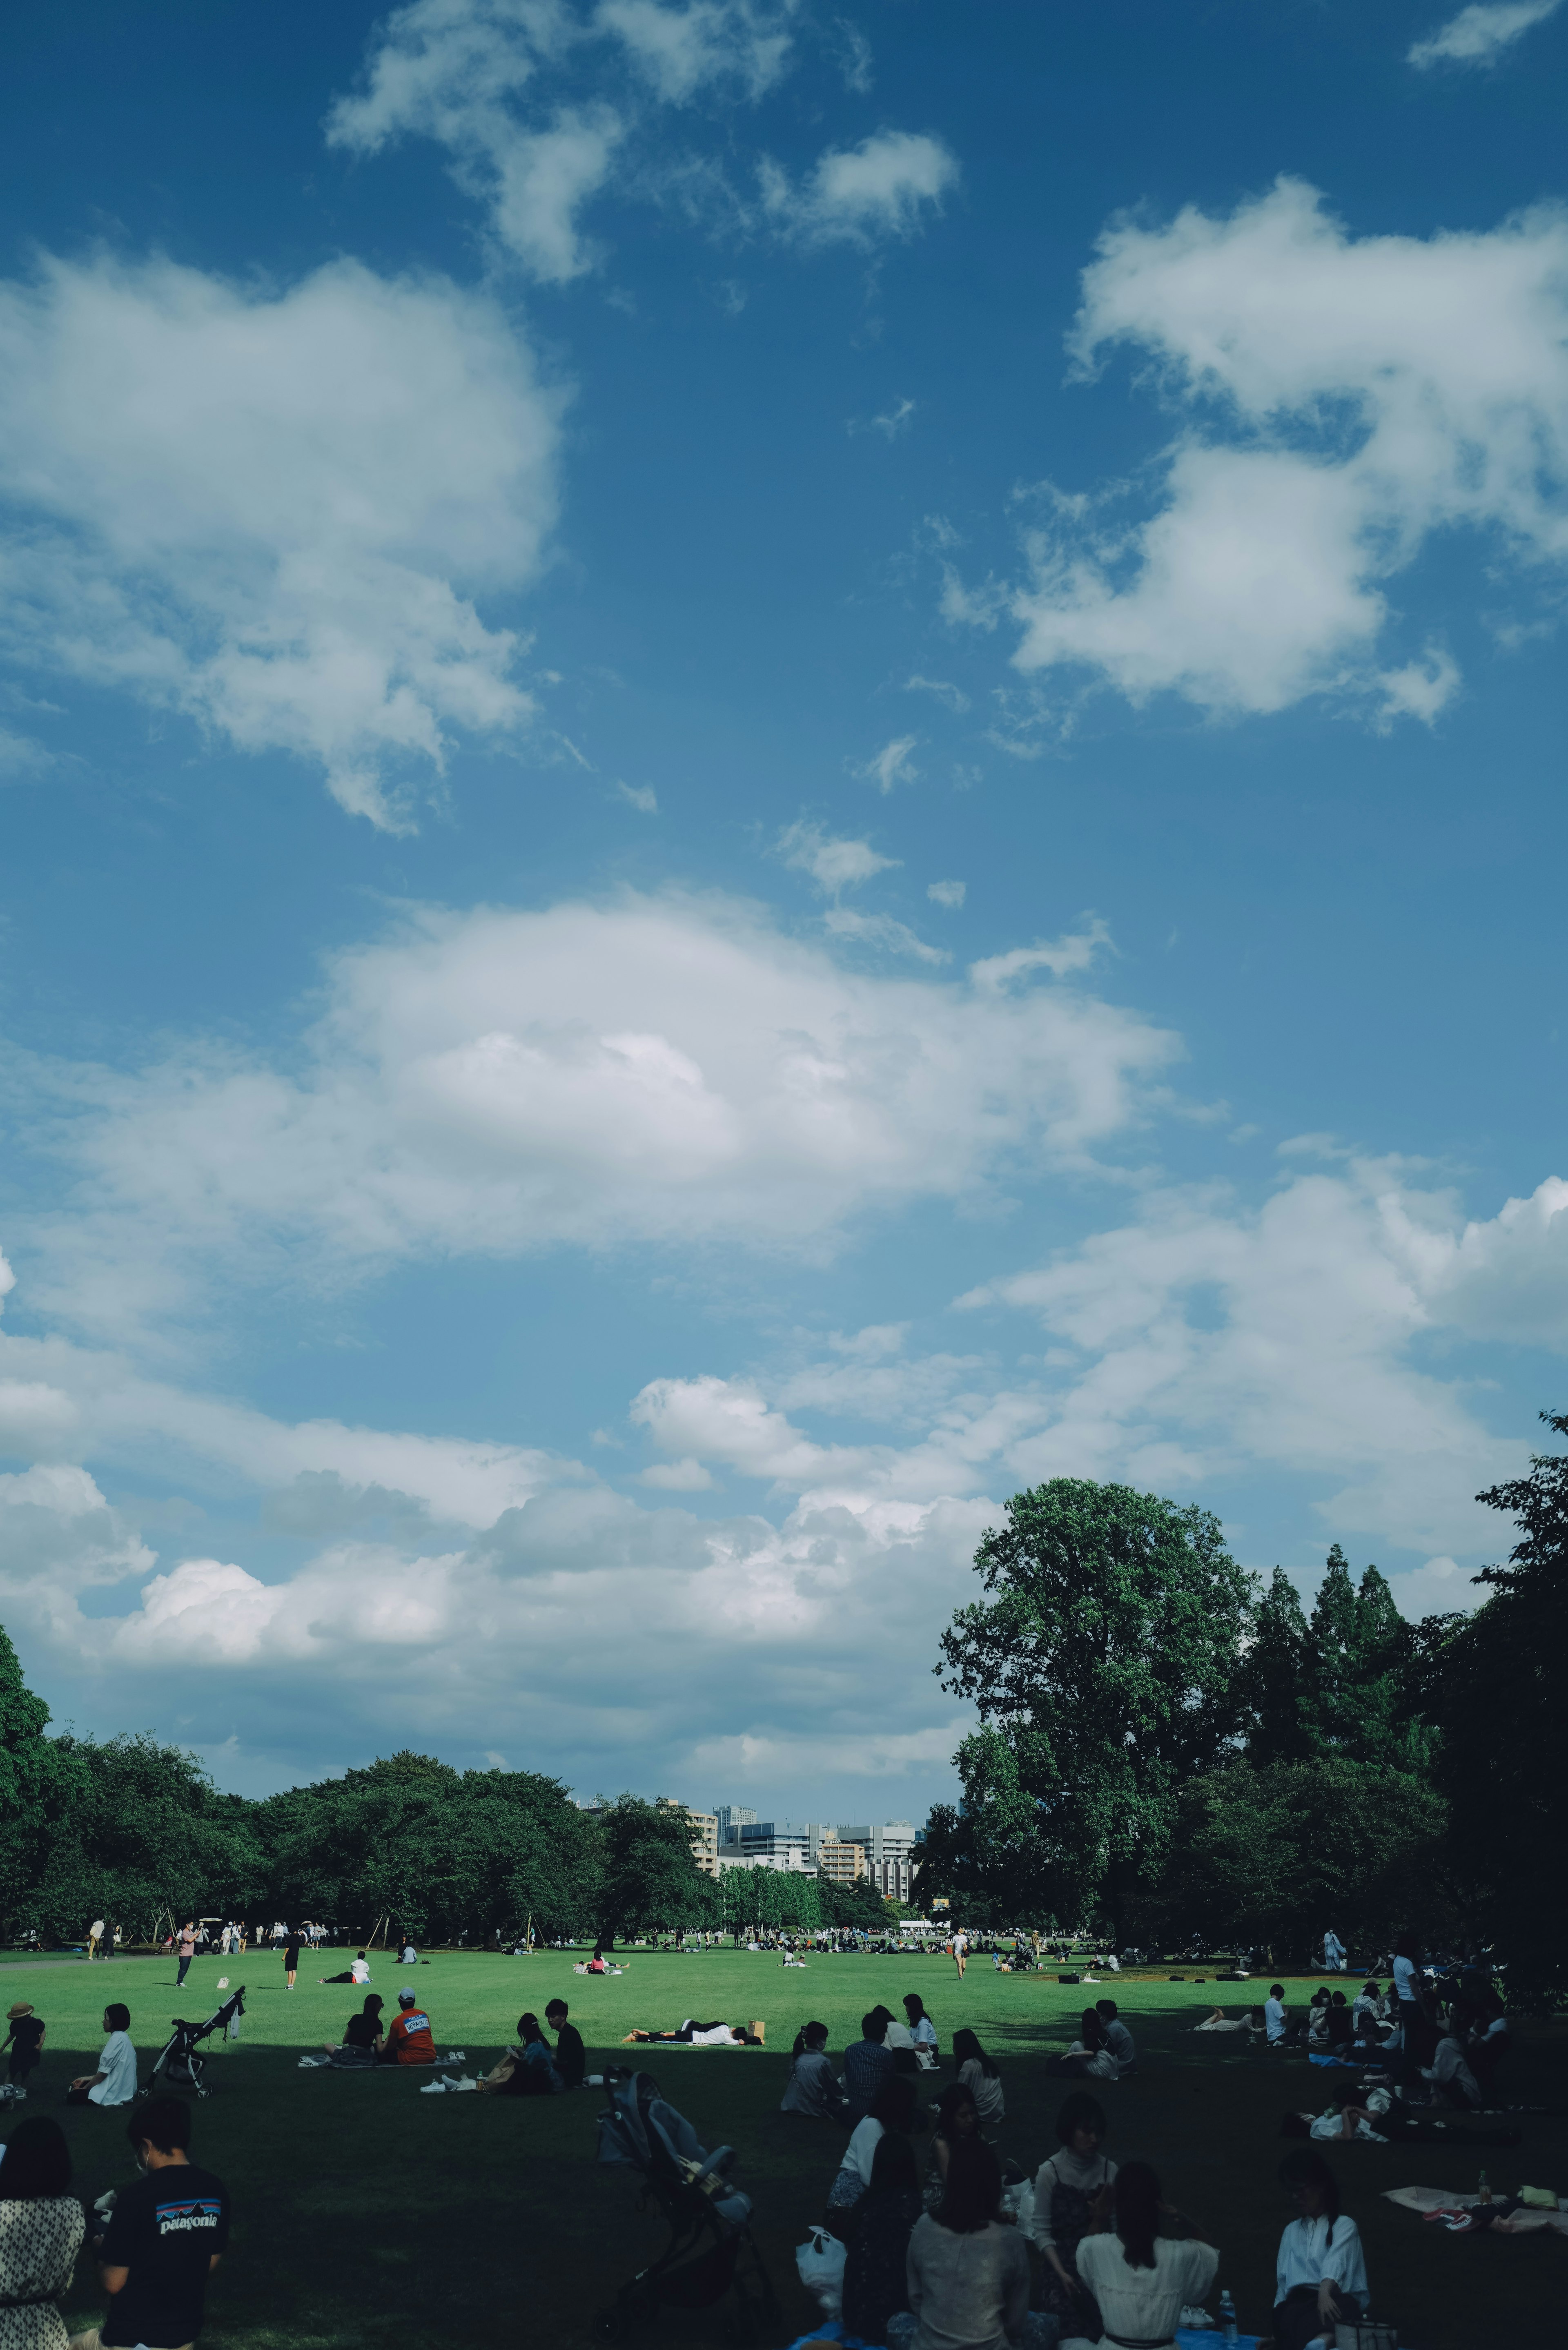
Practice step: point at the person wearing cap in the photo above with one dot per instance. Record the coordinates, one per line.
(24, 2039)
(411, 2040)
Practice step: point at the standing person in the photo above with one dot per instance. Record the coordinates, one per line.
(1417, 2038)
(290, 1959)
(1333, 1953)
(1275, 2023)
(114, 2083)
(1141, 2278)
(95, 1936)
(26, 2040)
(1320, 2278)
(571, 2057)
(1071, 2196)
(41, 2230)
(968, 2275)
(187, 1952)
(165, 2237)
(960, 1951)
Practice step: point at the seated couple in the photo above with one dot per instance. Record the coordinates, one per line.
(535, 2069)
(408, 2040)
(709, 2035)
(1103, 2050)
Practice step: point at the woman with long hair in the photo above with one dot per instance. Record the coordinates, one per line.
(892, 2111)
(1071, 2196)
(980, 2077)
(875, 2286)
(922, 2031)
(362, 2040)
(1320, 2278)
(1090, 2054)
(41, 2229)
(967, 2273)
(1140, 2279)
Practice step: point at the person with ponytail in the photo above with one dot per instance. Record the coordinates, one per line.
(1140, 2279)
(1320, 2279)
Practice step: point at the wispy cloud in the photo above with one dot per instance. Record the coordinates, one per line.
(893, 764)
(1479, 36)
(641, 796)
(954, 696)
(855, 195)
(946, 893)
(891, 424)
(833, 863)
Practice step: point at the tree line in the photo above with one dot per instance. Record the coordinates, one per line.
(1169, 1748)
(134, 1832)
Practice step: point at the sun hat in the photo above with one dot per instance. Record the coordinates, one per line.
(22, 2007)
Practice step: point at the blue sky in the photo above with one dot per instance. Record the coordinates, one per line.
(764, 770)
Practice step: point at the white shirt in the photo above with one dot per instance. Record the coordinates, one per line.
(1119, 2041)
(359, 1971)
(1144, 2304)
(96, 1929)
(1274, 2018)
(861, 2151)
(1405, 1979)
(1306, 2257)
(118, 2066)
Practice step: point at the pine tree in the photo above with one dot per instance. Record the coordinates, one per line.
(1278, 1678)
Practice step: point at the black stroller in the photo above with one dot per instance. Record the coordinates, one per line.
(712, 2250)
(180, 2060)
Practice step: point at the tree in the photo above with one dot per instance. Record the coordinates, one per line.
(1104, 1660)
(42, 1786)
(1276, 1679)
(1497, 1686)
(648, 1876)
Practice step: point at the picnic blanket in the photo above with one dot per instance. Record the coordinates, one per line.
(1426, 2199)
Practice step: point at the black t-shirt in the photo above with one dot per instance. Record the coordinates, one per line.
(291, 1956)
(362, 2032)
(25, 2033)
(165, 2231)
(571, 2061)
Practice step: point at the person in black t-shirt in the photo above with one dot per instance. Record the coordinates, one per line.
(571, 2058)
(163, 2239)
(290, 1959)
(24, 2039)
(362, 2040)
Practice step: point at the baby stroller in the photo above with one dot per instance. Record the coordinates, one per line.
(181, 2061)
(712, 2250)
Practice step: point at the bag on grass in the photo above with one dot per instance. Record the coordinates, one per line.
(820, 2261)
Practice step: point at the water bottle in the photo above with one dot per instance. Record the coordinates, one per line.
(1484, 2189)
(1227, 2316)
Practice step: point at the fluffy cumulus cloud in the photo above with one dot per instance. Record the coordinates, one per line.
(270, 510)
(653, 1069)
(1344, 400)
(541, 106)
(1479, 36)
(885, 187)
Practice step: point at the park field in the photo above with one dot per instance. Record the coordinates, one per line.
(366, 2214)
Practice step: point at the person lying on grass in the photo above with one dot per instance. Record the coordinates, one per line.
(708, 2035)
(362, 2040)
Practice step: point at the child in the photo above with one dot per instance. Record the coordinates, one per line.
(25, 2042)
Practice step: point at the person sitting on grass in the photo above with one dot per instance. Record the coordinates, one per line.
(980, 2076)
(163, 2239)
(41, 2231)
(359, 1972)
(362, 2040)
(410, 2040)
(529, 2069)
(114, 2083)
(813, 2087)
(1453, 2083)
(922, 2031)
(958, 2120)
(892, 2110)
(1119, 2038)
(1141, 2279)
(875, 2286)
(1320, 2278)
(1071, 2196)
(867, 2063)
(1089, 2053)
(967, 2273)
(571, 2057)
(26, 2040)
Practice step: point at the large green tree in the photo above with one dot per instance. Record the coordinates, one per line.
(1104, 1664)
(648, 1878)
(1496, 1684)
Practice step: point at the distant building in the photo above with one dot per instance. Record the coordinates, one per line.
(704, 1835)
(732, 1819)
(839, 1863)
(889, 1855)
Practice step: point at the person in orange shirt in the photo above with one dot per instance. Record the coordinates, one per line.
(411, 2040)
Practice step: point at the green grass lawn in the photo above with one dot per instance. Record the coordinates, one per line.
(366, 2214)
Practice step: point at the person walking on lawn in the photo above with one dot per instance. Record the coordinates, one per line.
(187, 1952)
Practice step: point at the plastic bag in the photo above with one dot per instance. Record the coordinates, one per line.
(820, 2261)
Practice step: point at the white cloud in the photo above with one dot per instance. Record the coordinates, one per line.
(1207, 1338)
(891, 424)
(834, 864)
(1348, 398)
(881, 930)
(270, 511)
(893, 764)
(946, 893)
(1479, 36)
(1075, 951)
(641, 796)
(883, 188)
(653, 1069)
(955, 698)
(682, 51)
(687, 1476)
